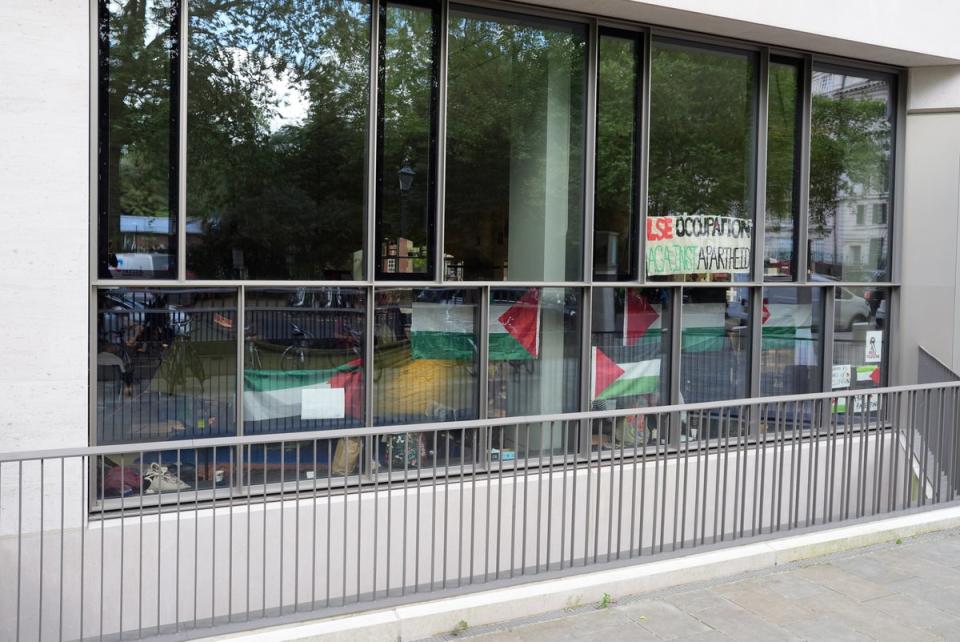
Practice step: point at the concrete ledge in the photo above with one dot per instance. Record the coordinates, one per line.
(432, 617)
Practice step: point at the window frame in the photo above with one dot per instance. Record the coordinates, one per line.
(435, 277)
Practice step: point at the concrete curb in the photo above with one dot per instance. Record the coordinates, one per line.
(433, 617)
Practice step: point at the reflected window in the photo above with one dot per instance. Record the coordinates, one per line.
(409, 54)
(303, 359)
(534, 365)
(851, 146)
(791, 341)
(138, 129)
(715, 344)
(630, 347)
(860, 338)
(426, 356)
(615, 218)
(783, 177)
(277, 139)
(515, 141)
(166, 364)
(702, 149)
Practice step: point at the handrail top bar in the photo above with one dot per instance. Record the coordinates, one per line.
(315, 435)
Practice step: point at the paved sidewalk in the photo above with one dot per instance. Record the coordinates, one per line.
(908, 591)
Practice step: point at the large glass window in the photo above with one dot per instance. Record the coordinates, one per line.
(860, 338)
(166, 364)
(791, 341)
(303, 359)
(702, 149)
(409, 52)
(630, 347)
(714, 361)
(515, 141)
(137, 209)
(783, 129)
(851, 146)
(277, 139)
(615, 217)
(426, 359)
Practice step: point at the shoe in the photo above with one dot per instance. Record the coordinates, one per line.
(162, 481)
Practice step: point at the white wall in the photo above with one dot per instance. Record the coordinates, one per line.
(44, 207)
(922, 32)
(930, 272)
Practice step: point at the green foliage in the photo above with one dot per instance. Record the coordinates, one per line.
(605, 601)
(460, 628)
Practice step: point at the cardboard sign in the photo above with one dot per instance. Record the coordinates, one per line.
(873, 347)
(322, 403)
(698, 244)
(841, 377)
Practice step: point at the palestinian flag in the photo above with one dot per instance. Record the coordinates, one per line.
(704, 326)
(869, 373)
(784, 324)
(610, 379)
(448, 332)
(278, 394)
(641, 319)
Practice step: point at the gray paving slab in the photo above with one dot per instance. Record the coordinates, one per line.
(907, 591)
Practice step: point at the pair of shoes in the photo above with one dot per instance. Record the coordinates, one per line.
(162, 481)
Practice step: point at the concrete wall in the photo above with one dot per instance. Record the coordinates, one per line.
(930, 270)
(44, 249)
(199, 563)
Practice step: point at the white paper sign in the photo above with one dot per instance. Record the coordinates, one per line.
(873, 348)
(322, 403)
(841, 377)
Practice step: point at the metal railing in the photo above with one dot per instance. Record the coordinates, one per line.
(177, 537)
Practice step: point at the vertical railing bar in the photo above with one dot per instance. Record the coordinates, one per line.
(314, 514)
(722, 491)
(549, 497)
(831, 456)
(263, 543)
(526, 484)
(813, 459)
(245, 452)
(782, 430)
(939, 452)
(863, 453)
(721, 429)
(667, 443)
(699, 519)
(473, 485)
(433, 518)
(230, 454)
(643, 484)
(587, 498)
(296, 531)
(496, 573)
(847, 463)
(446, 507)
(757, 496)
(513, 504)
(696, 485)
(329, 502)
(744, 413)
(563, 495)
(60, 565)
(102, 533)
(123, 530)
(686, 475)
(460, 523)
(744, 429)
(656, 484)
(346, 520)
(676, 485)
(389, 455)
(213, 544)
(596, 512)
(883, 402)
(613, 462)
(633, 496)
(84, 520)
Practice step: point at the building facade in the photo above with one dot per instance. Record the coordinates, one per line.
(272, 220)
